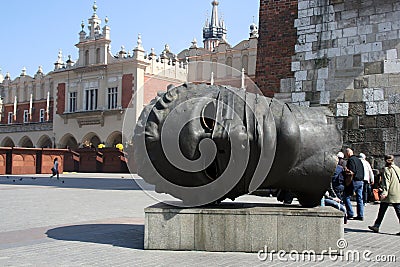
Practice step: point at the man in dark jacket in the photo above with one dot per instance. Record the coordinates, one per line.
(355, 168)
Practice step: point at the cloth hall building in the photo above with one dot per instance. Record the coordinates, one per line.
(84, 102)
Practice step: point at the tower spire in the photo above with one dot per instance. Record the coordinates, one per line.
(214, 31)
(214, 14)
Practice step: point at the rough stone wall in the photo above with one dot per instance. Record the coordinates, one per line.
(347, 57)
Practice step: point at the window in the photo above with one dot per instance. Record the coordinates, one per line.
(10, 117)
(41, 115)
(26, 116)
(91, 99)
(72, 102)
(87, 57)
(112, 97)
(98, 55)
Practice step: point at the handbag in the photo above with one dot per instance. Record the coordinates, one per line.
(376, 193)
(348, 177)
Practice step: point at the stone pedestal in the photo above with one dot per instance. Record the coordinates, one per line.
(242, 227)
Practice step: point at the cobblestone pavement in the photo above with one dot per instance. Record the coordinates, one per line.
(97, 220)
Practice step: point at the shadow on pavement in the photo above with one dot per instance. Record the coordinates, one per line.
(83, 183)
(119, 235)
(355, 230)
(350, 230)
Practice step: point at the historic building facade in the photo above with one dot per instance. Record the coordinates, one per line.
(26, 105)
(84, 102)
(226, 62)
(341, 54)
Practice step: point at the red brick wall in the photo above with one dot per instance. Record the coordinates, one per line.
(6, 109)
(60, 98)
(20, 111)
(25, 106)
(152, 85)
(127, 89)
(276, 43)
(36, 111)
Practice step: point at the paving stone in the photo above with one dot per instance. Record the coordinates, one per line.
(97, 220)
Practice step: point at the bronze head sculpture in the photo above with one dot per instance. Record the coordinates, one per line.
(204, 143)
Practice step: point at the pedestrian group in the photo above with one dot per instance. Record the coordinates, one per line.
(354, 177)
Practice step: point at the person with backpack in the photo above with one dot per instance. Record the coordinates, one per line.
(390, 192)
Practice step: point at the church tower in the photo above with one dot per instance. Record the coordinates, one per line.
(94, 46)
(214, 31)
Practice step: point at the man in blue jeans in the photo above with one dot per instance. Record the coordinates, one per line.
(356, 169)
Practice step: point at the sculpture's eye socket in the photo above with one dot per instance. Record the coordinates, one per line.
(208, 115)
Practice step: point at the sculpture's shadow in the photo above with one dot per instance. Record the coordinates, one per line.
(119, 235)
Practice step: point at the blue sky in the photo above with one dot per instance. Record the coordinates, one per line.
(32, 32)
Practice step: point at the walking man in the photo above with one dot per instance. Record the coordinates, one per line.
(55, 169)
(390, 193)
(355, 168)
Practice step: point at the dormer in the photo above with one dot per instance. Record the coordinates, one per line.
(94, 45)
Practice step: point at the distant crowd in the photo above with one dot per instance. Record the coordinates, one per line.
(354, 177)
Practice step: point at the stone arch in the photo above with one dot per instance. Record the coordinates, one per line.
(7, 142)
(91, 139)
(44, 142)
(25, 142)
(114, 138)
(68, 141)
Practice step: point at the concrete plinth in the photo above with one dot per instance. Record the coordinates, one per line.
(242, 227)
